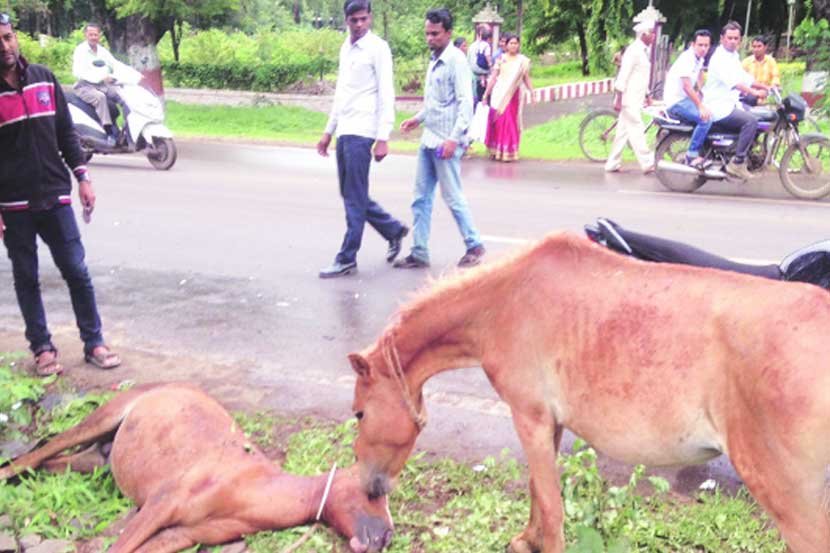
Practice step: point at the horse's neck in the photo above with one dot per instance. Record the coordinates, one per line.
(284, 500)
(443, 333)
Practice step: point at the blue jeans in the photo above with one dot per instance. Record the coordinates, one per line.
(687, 111)
(447, 173)
(58, 229)
(354, 156)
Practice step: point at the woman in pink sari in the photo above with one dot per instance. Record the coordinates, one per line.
(505, 93)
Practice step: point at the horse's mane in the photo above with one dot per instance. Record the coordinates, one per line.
(448, 286)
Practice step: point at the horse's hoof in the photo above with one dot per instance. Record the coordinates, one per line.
(518, 545)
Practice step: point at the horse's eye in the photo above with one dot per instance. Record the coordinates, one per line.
(359, 415)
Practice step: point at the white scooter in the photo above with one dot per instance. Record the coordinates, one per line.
(144, 129)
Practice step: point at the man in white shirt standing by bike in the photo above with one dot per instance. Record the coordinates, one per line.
(725, 82)
(682, 96)
(93, 65)
(631, 90)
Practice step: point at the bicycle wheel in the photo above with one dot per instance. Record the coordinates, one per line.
(673, 147)
(596, 134)
(805, 168)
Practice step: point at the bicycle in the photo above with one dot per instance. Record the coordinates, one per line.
(596, 131)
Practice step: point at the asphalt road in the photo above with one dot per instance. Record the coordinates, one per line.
(209, 271)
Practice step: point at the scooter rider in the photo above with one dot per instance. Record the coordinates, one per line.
(725, 82)
(93, 66)
(684, 100)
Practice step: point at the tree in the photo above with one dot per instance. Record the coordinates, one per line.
(134, 27)
(554, 21)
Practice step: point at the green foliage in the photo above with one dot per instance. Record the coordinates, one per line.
(19, 394)
(68, 414)
(63, 506)
(814, 38)
(260, 78)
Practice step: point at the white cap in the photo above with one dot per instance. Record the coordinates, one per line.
(644, 26)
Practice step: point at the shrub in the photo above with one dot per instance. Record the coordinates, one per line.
(265, 77)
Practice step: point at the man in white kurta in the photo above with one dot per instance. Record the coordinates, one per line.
(631, 89)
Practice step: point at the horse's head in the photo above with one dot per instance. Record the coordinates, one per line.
(349, 510)
(389, 417)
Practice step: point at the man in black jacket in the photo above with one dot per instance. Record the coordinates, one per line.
(36, 138)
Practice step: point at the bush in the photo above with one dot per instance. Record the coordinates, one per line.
(265, 77)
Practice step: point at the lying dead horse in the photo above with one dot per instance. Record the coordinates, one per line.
(650, 363)
(180, 457)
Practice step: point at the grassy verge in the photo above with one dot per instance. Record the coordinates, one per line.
(440, 506)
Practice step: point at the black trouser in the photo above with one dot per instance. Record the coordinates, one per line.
(57, 227)
(746, 125)
(354, 156)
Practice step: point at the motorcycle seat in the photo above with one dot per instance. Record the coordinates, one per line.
(75, 100)
(764, 114)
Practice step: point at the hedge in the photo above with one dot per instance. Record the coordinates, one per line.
(264, 77)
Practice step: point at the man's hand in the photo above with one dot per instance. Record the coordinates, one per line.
(381, 149)
(409, 124)
(2, 227)
(448, 149)
(87, 195)
(705, 114)
(108, 80)
(323, 145)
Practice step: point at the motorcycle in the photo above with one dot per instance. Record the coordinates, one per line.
(144, 129)
(804, 167)
(808, 264)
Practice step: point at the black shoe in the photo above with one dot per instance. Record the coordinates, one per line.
(395, 245)
(338, 269)
(410, 262)
(472, 257)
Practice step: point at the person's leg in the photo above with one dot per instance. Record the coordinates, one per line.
(60, 232)
(637, 136)
(425, 180)
(687, 111)
(384, 223)
(448, 172)
(96, 99)
(620, 140)
(20, 238)
(353, 158)
(745, 124)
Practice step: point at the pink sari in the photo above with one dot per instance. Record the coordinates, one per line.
(505, 121)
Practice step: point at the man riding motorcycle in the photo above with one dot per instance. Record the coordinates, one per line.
(93, 66)
(725, 82)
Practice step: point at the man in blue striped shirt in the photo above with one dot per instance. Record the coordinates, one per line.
(447, 112)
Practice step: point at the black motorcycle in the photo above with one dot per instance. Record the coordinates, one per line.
(808, 264)
(802, 159)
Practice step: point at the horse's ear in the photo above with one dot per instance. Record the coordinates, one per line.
(360, 365)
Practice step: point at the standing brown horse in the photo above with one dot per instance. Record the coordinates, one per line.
(178, 454)
(651, 363)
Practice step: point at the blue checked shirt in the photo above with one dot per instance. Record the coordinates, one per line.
(448, 99)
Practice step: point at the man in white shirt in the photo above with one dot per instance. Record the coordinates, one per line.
(683, 99)
(93, 65)
(725, 82)
(631, 89)
(363, 114)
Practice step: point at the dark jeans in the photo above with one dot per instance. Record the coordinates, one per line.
(57, 227)
(354, 155)
(746, 125)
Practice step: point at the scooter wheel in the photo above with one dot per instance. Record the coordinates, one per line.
(162, 154)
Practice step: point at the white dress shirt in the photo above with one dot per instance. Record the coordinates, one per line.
(83, 68)
(688, 66)
(364, 100)
(634, 75)
(725, 73)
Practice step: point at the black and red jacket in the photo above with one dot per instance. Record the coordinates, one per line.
(37, 142)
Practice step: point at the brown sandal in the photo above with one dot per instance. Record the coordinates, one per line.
(104, 359)
(46, 363)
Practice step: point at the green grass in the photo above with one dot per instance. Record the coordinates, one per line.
(440, 506)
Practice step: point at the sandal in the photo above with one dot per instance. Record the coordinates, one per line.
(103, 358)
(46, 363)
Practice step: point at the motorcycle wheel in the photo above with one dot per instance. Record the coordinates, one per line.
(673, 147)
(163, 153)
(596, 134)
(805, 168)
